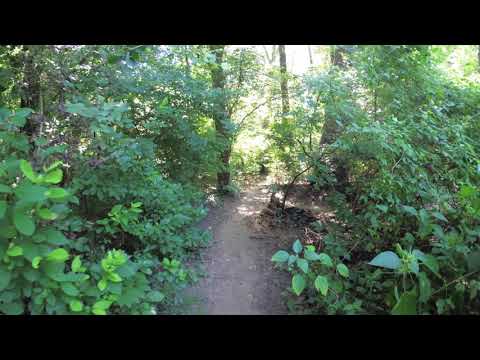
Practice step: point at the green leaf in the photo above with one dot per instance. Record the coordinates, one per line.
(69, 289)
(439, 216)
(76, 305)
(303, 264)
(29, 193)
(54, 177)
(3, 208)
(53, 166)
(343, 270)
(321, 284)
(15, 250)
(76, 264)
(383, 208)
(280, 256)
(325, 259)
(46, 214)
(291, 259)
(311, 255)
(155, 296)
(473, 261)
(406, 305)
(102, 284)
(20, 117)
(431, 262)
(5, 189)
(114, 277)
(100, 307)
(56, 193)
(5, 277)
(27, 170)
(24, 223)
(425, 287)
(12, 308)
(298, 284)
(386, 259)
(297, 246)
(58, 255)
(55, 237)
(410, 210)
(36, 262)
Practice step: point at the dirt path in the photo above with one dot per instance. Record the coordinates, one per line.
(240, 277)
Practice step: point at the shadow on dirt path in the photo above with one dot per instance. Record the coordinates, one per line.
(240, 277)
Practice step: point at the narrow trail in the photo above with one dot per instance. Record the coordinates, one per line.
(240, 276)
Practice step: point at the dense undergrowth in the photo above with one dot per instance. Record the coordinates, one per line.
(407, 209)
(107, 154)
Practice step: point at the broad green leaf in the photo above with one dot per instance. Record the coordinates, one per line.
(29, 193)
(383, 208)
(5, 189)
(20, 116)
(325, 259)
(407, 304)
(473, 261)
(36, 262)
(431, 262)
(280, 256)
(155, 296)
(76, 264)
(297, 246)
(69, 289)
(46, 214)
(12, 308)
(102, 284)
(76, 305)
(425, 287)
(439, 216)
(386, 259)
(114, 277)
(53, 166)
(303, 264)
(343, 270)
(100, 307)
(58, 255)
(291, 259)
(55, 237)
(24, 223)
(56, 193)
(54, 177)
(311, 255)
(5, 277)
(298, 284)
(27, 170)
(3, 208)
(321, 284)
(410, 210)
(15, 250)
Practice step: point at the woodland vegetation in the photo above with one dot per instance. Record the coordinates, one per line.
(108, 154)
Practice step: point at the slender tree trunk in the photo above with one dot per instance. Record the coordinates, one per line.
(31, 95)
(310, 55)
(478, 55)
(283, 79)
(330, 129)
(220, 117)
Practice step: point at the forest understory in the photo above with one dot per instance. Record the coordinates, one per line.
(249, 180)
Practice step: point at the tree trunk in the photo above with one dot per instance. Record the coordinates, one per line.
(330, 128)
(310, 55)
(30, 88)
(220, 117)
(283, 79)
(478, 54)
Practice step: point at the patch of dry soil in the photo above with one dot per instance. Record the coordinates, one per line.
(240, 276)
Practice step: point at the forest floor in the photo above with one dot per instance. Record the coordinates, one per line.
(240, 277)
